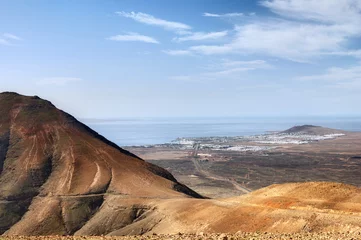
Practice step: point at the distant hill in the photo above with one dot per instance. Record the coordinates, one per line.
(312, 130)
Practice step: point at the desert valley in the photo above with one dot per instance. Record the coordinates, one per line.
(59, 177)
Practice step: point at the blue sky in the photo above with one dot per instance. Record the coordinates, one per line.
(139, 58)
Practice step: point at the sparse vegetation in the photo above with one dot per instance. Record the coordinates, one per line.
(260, 171)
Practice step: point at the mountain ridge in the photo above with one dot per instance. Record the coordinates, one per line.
(46, 154)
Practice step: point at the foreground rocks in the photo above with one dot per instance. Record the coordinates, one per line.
(243, 236)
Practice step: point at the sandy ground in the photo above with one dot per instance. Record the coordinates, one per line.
(243, 236)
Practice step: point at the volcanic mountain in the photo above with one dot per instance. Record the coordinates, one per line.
(58, 177)
(56, 172)
(312, 130)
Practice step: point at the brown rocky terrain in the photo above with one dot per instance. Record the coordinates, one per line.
(58, 177)
(212, 236)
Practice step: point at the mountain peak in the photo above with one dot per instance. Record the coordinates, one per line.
(47, 154)
(311, 129)
(17, 95)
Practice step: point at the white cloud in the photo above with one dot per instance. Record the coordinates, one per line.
(235, 14)
(230, 71)
(212, 49)
(151, 20)
(336, 77)
(4, 42)
(214, 75)
(327, 11)
(8, 38)
(59, 81)
(224, 69)
(198, 36)
(11, 36)
(353, 53)
(313, 28)
(253, 63)
(283, 39)
(133, 37)
(177, 52)
(288, 40)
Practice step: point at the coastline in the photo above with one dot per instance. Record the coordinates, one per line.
(152, 131)
(220, 167)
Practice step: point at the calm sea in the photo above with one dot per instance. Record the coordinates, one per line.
(144, 131)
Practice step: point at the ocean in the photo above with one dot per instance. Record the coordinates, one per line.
(147, 131)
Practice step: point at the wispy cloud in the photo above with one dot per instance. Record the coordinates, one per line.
(178, 52)
(253, 63)
(337, 74)
(59, 81)
(302, 30)
(4, 42)
(283, 39)
(326, 11)
(12, 36)
(151, 20)
(134, 37)
(234, 14)
(8, 39)
(213, 49)
(214, 75)
(199, 36)
(352, 53)
(336, 77)
(224, 69)
(231, 71)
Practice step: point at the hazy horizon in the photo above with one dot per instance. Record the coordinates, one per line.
(149, 131)
(146, 118)
(133, 59)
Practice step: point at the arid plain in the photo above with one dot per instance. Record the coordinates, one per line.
(223, 172)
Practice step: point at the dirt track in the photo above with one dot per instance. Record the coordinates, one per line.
(236, 185)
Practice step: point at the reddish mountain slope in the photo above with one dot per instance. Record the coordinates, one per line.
(286, 208)
(56, 172)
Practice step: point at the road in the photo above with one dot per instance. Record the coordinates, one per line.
(207, 174)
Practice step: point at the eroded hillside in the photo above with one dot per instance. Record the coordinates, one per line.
(58, 177)
(57, 174)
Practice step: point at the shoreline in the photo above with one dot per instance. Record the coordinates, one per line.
(219, 166)
(260, 142)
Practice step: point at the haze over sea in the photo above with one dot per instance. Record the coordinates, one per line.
(147, 131)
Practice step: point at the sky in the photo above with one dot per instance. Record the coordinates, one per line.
(160, 58)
